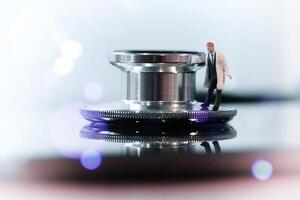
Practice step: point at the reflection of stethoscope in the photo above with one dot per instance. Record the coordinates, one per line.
(216, 146)
(139, 149)
(166, 140)
(160, 87)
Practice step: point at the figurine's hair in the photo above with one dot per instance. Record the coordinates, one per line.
(210, 43)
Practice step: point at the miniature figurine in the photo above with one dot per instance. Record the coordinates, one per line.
(216, 69)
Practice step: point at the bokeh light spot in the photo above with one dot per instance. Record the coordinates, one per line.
(93, 91)
(262, 170)
(90, 159)
(62, 126)
(63, 66)
(71, 49)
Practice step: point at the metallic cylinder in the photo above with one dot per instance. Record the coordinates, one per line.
(152, 86)
(158, 77)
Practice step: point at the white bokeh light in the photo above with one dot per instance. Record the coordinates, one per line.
(93, 91)
(71, 49)
(63, 66)
(262, 170)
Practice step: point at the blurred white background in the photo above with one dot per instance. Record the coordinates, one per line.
(54, 52)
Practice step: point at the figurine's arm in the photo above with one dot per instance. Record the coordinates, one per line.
(226, 68)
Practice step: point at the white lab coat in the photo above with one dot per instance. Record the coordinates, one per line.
(222, 69)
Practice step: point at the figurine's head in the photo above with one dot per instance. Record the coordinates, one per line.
(210, 47)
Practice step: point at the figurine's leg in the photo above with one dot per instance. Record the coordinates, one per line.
(218, 100)
(212, 86)
(208, 97)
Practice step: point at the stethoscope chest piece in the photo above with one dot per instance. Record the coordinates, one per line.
(159, 88)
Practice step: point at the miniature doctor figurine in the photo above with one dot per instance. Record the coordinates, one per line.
(216, 70)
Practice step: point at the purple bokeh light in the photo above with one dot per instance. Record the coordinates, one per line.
(90, 159)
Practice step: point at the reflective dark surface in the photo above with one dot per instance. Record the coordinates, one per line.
(140, 140)
(72, 146)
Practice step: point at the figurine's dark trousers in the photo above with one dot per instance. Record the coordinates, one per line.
(212, 87)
